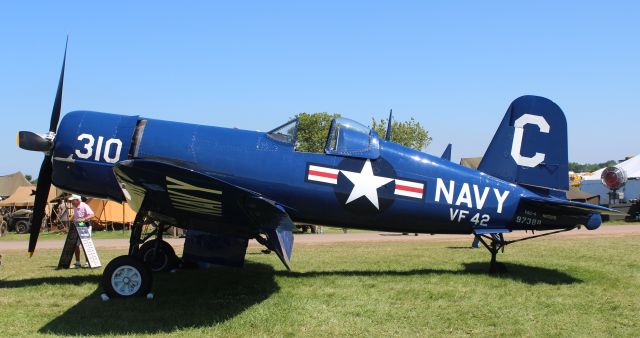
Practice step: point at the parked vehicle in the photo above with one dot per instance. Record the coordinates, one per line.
(18, 221)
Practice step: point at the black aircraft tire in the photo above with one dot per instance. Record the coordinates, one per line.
(22, 227)
(166, 258)
(126, 277)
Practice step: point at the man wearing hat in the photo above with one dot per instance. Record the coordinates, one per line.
(82, 213)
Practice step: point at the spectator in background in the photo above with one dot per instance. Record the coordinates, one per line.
(82, 215)
(63, 215)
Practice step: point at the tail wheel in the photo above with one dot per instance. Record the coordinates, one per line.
(165, 258)
(126, 277)
(22, 227)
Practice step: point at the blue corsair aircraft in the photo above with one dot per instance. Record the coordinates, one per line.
(237, 185)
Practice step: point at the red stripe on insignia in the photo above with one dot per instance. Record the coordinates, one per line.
(407, 188)
(323, 174)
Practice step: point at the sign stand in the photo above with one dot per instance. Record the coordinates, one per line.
(87, 246)
(69, 248)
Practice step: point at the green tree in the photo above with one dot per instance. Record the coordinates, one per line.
(588, 167)
(313, 130)
(409, 133)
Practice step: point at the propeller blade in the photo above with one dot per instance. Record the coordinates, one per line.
(42, 194)
(46, 169)
(57, 103)
(31, 141)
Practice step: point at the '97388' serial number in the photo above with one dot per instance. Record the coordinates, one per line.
(528, 220)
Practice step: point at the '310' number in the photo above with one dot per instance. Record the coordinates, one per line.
(102, 148)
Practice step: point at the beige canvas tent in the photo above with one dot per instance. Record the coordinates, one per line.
(111, 212)
(10, 183)
(23, 196)
(471, 162)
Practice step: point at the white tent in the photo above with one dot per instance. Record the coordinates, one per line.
(630, 166)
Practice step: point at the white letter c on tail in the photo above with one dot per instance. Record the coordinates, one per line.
(517, 139)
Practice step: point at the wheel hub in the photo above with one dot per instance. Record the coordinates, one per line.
(160, 261)
(126, 280)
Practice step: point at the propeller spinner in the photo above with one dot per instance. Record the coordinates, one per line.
(34, 142)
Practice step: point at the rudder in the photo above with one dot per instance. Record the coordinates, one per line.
(530, 145)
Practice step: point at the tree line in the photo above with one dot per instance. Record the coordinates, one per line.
(589, 167)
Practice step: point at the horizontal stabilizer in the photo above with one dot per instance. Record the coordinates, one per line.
(558, 203)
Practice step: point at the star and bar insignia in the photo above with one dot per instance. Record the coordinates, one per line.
(365, 183)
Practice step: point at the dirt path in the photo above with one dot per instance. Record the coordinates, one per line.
(605, 231)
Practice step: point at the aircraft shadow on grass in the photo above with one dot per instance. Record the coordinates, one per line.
(58, 280)
(196, 298)
(186, 299)
(517, 272)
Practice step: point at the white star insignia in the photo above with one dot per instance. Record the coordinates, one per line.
(365, 183)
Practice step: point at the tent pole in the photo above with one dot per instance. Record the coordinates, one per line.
(104, 214)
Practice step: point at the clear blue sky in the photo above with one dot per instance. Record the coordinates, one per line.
(454, 66)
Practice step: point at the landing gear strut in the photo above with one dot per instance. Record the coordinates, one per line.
(494, 242)
(131, 275)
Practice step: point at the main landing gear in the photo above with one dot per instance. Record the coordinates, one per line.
(131, 275)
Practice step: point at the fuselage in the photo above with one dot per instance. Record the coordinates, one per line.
(438, 196)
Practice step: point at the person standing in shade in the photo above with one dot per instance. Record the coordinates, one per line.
(63, 215)
(82, 213)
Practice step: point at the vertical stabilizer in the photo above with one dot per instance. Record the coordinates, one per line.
(530, 146)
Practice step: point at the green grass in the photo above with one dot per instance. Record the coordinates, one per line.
(556, 287)
(46, 235)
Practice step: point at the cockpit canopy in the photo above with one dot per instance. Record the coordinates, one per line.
(285, 133)
(346, 138)
(350, 138)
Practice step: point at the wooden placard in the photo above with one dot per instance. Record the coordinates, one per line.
(88, 247)
(69, 247)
